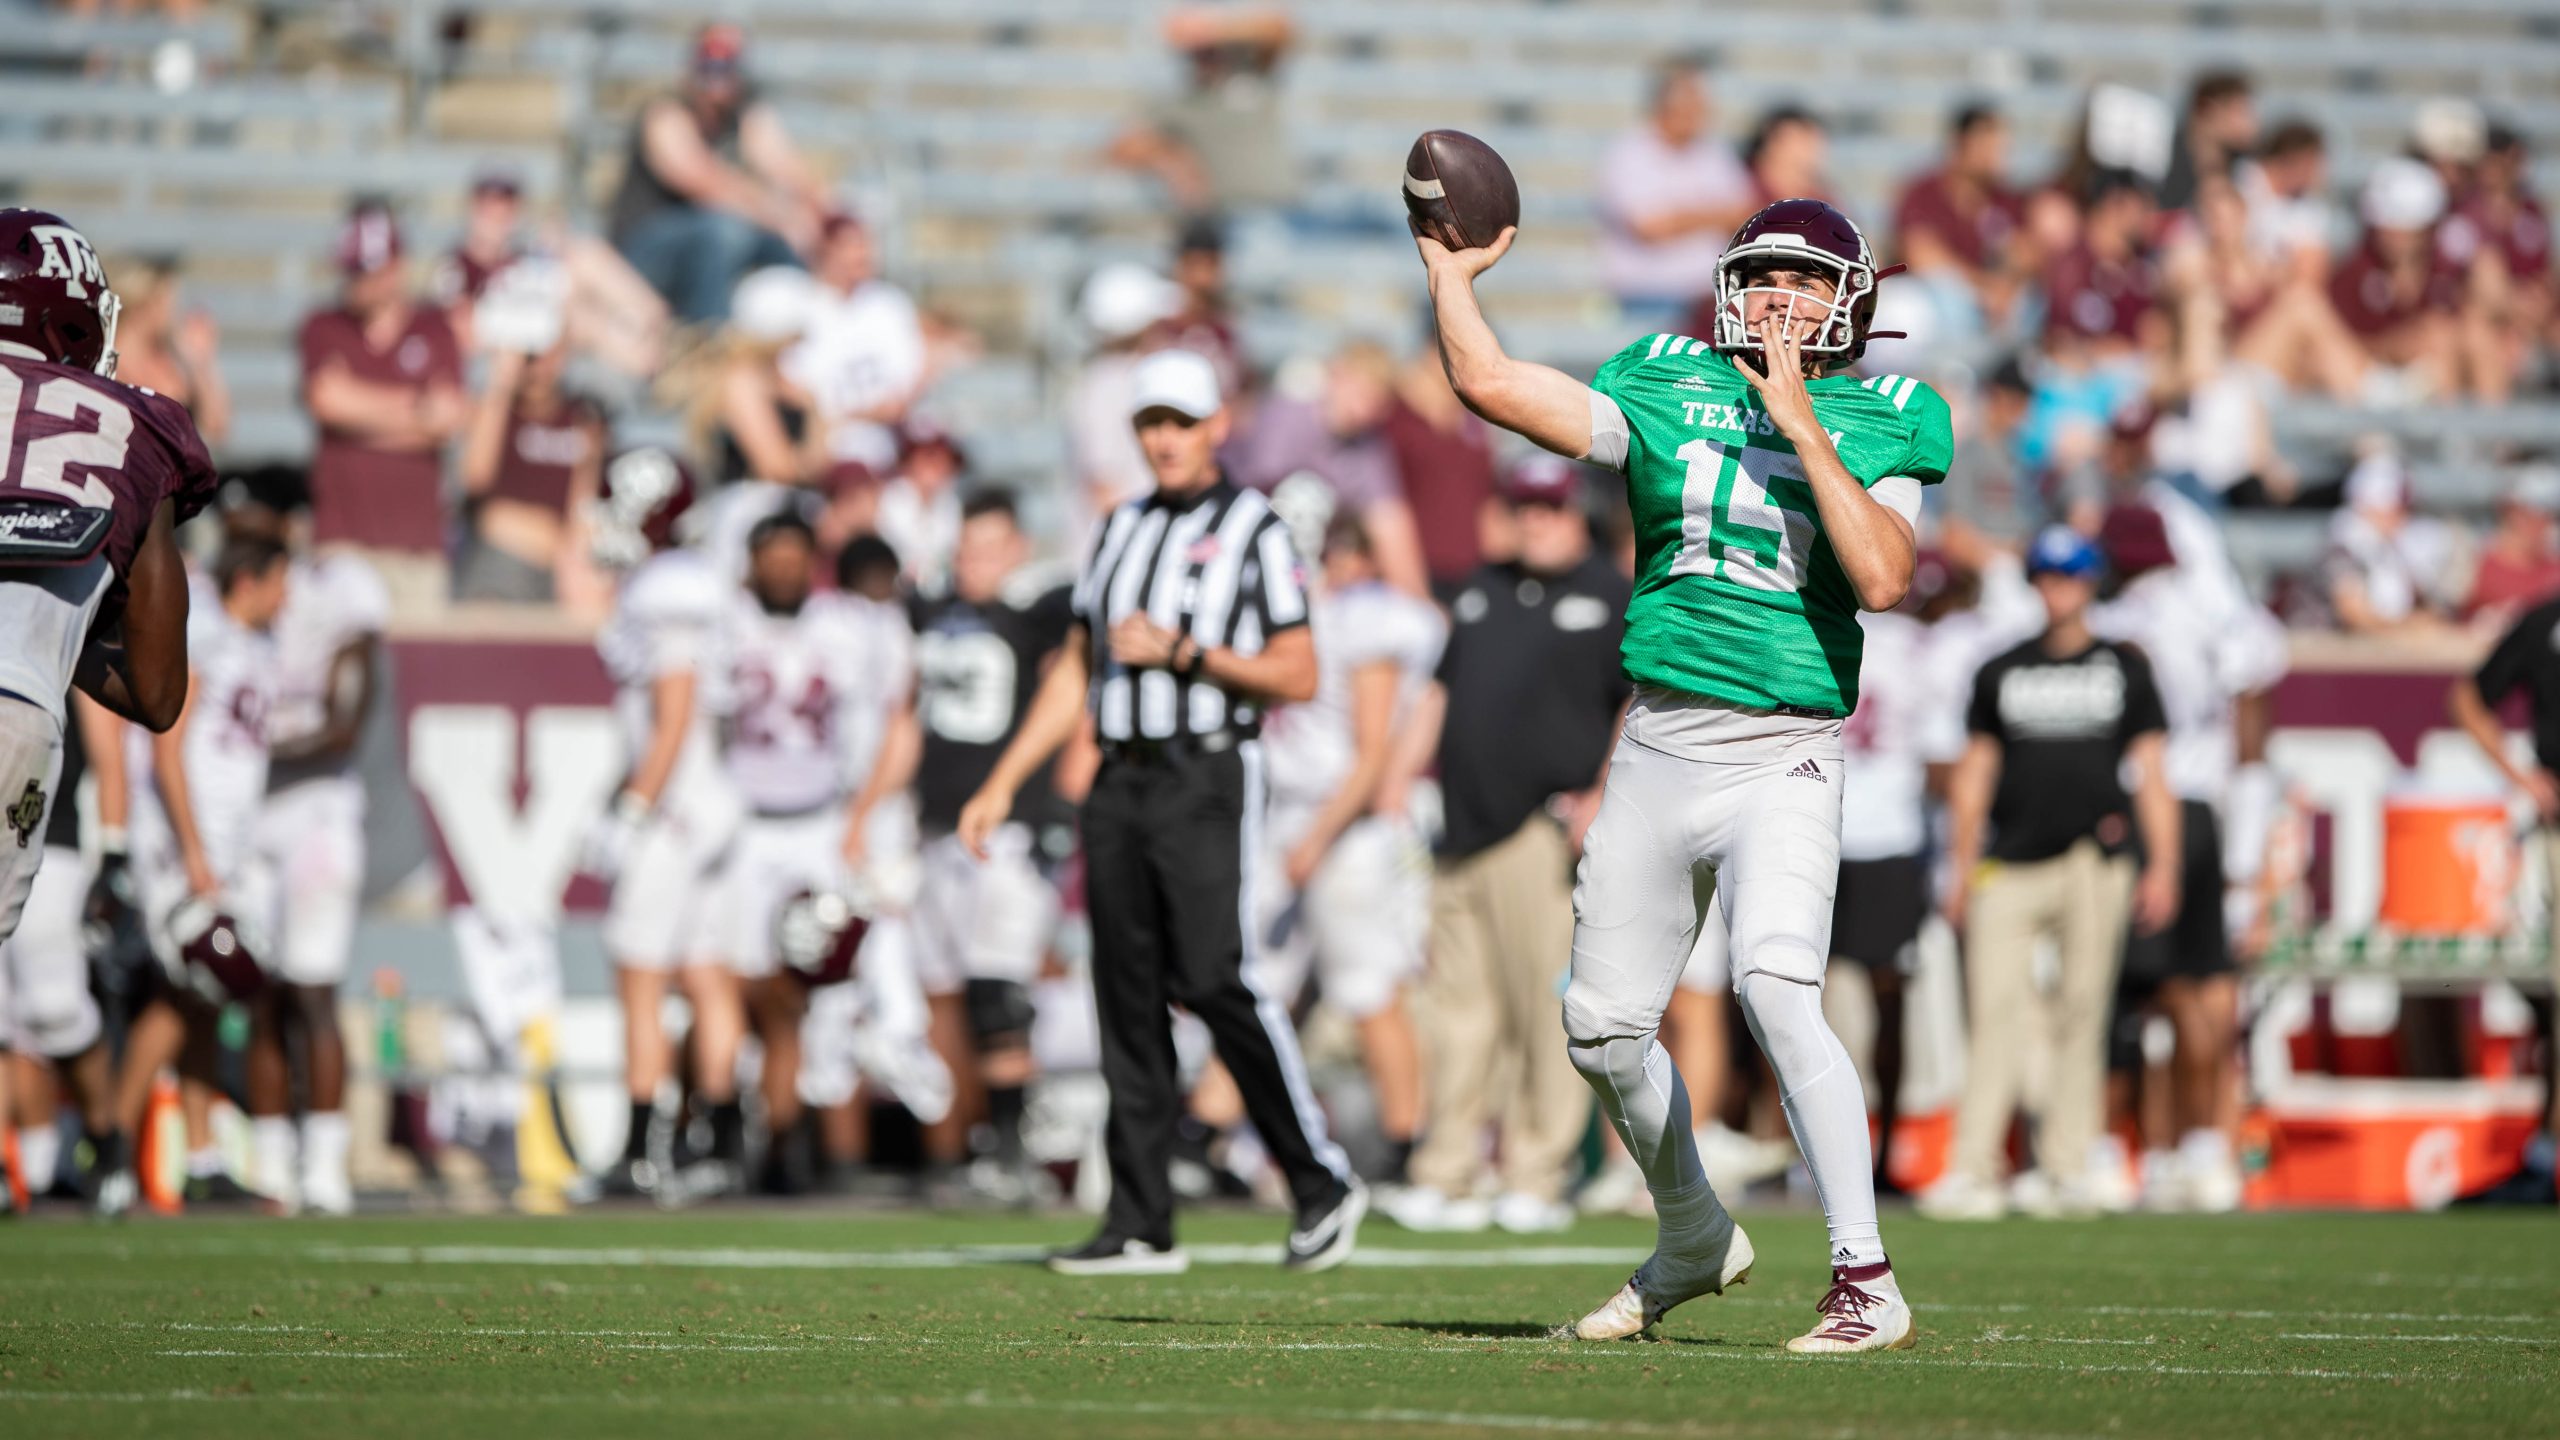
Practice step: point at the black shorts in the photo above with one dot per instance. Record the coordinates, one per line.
(2196, 944)
(1878, 909)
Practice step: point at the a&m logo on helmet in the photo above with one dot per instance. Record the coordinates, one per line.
(68, 258)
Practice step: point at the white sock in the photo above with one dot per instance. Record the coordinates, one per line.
(39, 1156)
(271, 1148)
(204, 1164)
(2205, 1148)
(324, 1144)
(1826, 1108)
(1645, 1099)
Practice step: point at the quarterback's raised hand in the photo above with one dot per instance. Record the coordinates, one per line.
(1466, 264)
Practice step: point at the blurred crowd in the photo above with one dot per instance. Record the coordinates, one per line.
(2114, 337)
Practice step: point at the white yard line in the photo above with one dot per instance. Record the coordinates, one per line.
(285, 1354)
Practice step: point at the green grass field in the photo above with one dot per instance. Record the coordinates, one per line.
(756, 1324)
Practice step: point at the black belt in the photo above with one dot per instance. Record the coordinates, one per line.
(1175, 750)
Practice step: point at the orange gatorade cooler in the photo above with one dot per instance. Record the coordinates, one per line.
(2449, 865)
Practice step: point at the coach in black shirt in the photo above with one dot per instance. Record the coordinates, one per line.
(1189, 618)
(2055, 722)
(2527, 659)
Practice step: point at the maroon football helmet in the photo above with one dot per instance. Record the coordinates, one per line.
(216, 959)
(818, 934)
(54, 300)
(1793, 233)
(646, 492)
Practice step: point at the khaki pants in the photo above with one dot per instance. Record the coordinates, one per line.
(1501, 934)
(2079, 897)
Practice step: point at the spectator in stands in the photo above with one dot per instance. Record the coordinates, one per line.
(2389, 571)
(1988, 492)
(2101, 328)
(2449, 134)
(2519, 563)
(1329, 452)
(492, 239)
(1786, 155)
(1206, 323)
(1124, 309)
(1957, 227)
(2504, 225)
(164, 347)
(2219, 129)
(862, 356)
(2286, 193)
(1671, 195)
(382, 378)
(714, 187)
(755, 421)
(918, 508)
(1223, 143)
(1444, 456)
(530, 464)
(2399, 291)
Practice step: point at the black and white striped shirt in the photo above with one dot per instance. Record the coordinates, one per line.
(1217, 565)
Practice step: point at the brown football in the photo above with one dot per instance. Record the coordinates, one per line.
(1458, 190)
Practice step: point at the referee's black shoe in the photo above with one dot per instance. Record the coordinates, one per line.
(1109, 1254)
(1325, 1236)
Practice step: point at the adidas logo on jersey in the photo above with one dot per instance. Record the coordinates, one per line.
(1807, 770)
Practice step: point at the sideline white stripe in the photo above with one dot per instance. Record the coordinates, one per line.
(1276, 1026)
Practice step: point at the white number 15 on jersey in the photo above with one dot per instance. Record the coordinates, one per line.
(1725, 540)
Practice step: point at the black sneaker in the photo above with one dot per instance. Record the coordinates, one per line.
(1109, 1254)
(629, 1178)
(1325, 1237)
(219, 1188)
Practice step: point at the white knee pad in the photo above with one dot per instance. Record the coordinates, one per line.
(1786, 1018)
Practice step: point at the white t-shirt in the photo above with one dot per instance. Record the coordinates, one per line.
(803, 699)
(1312, 745)
(1640, 176)
(1884, 800)
(859, 352)
(331, 601)
(2206, 651)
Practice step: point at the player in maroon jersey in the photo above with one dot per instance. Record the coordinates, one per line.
(94, 479)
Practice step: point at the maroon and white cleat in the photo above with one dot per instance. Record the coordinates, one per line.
(1864, 1311)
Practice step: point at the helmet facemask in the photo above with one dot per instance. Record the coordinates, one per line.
(1835, 338)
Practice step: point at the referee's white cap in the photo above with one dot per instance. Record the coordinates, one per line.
(1182, 381)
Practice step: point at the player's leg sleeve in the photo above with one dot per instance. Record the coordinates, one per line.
(1826, 1107)
(1635, 921)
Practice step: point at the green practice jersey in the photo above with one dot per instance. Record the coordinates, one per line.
(1739, 596)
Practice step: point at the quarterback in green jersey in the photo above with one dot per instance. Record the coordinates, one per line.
(1774, 497)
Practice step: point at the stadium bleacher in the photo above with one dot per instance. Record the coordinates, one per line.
(971, 128)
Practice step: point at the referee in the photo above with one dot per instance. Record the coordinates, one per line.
(1188, 619)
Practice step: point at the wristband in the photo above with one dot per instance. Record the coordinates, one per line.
(112, 842)
(630, 808)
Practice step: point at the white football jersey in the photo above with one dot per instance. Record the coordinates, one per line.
(1311, 746)
(225, 744)
(1884, 800)
(804, 699)
(2208, 645)
(663, 621)
(331, 601)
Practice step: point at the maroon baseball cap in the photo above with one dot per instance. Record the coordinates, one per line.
(1541, 479)
(920, 433)
(369, 241)
(2135, 539)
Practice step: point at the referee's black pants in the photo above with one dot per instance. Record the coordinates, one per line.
(1168, 851)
